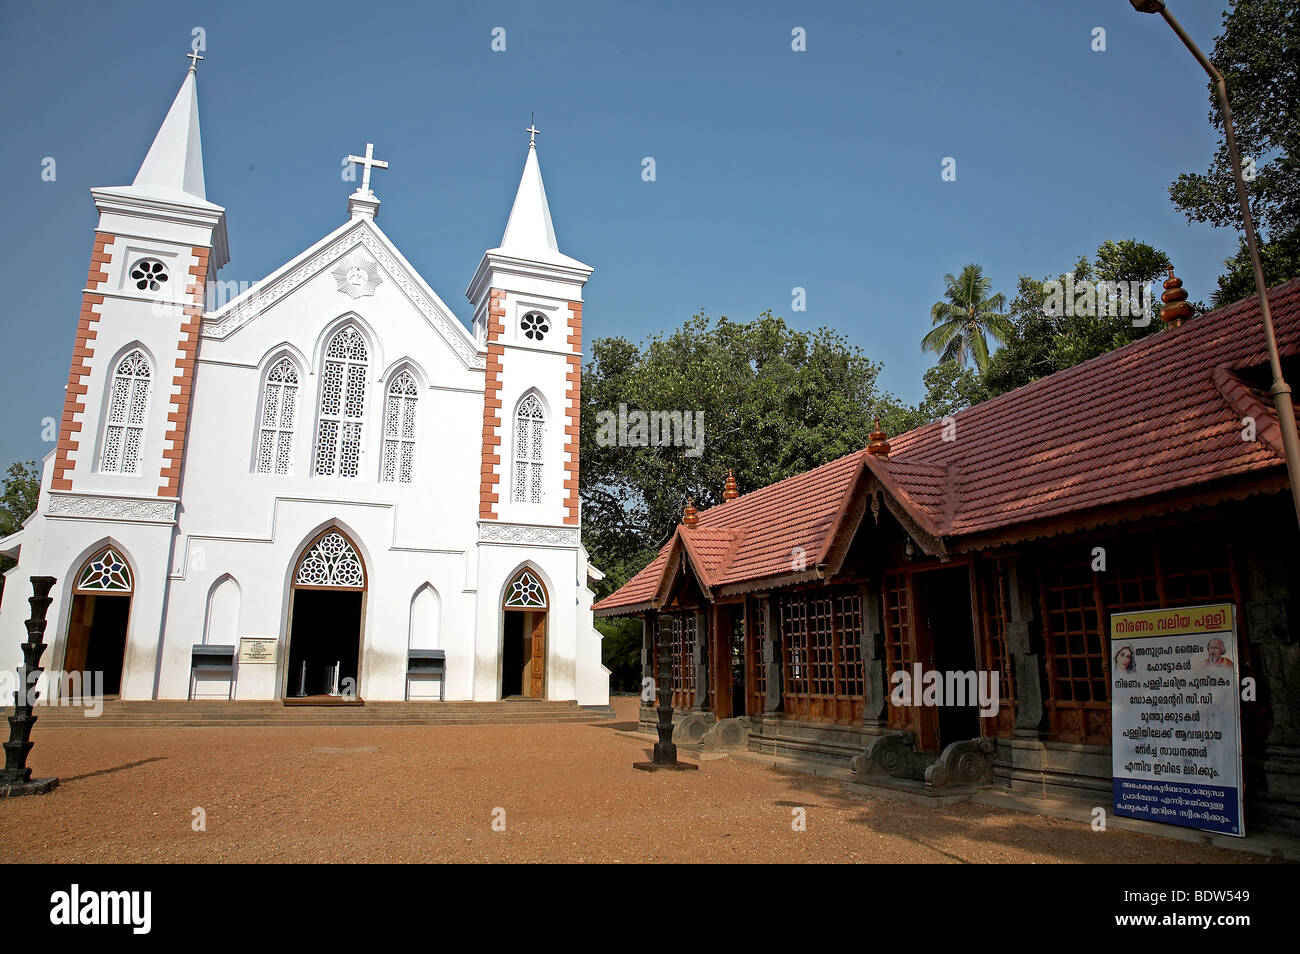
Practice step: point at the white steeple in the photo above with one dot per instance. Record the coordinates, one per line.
(168, 192)
(529, 256)
(529, 229)
(173, 168)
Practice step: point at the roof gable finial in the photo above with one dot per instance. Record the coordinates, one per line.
(879, 446)
(194, 58)
(532, 130)
(691, 518)
(730, 490)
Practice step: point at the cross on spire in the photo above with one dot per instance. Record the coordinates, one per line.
(532, 129)
(193, 56)
(367, 162)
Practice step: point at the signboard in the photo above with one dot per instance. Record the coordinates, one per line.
(256, 649)
(1176, 717)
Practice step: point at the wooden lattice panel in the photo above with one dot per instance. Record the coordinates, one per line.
(823, 675)
(995, 614)
(900, 652)
(757, 676)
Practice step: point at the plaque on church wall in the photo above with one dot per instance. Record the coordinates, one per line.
(1176, 717)
(256, 649)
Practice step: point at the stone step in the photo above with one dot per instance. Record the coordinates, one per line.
(177, 714)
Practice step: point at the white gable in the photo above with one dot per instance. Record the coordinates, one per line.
(359, 243)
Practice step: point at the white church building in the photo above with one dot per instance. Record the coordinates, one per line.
(326, 489)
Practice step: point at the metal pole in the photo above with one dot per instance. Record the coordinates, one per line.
(1280, 390)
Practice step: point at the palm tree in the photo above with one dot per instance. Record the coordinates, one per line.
(964, 321)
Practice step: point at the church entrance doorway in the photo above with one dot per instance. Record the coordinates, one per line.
(947, 629)
(523, 640)
(97, 626)
(326, 611)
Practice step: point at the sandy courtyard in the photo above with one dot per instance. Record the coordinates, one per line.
(569, 793)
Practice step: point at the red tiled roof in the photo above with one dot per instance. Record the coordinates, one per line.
(1158, 415)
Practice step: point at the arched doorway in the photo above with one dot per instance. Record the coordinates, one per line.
(523, 643)
(97, 625)
(325, 614)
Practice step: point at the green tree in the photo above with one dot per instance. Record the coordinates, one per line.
(1258, 54)
(1040, 344)
(948, 388)
(966, 318)
(775, 401)
(22, 487)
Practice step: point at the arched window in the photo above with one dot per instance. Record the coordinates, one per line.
(105, 572)
(128, 407)
(526, 592)
(530, 422)
(331, 562)
(399, 429)
(342, 405)
(279, 403)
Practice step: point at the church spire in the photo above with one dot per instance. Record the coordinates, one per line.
(529, 230)
(173, 168)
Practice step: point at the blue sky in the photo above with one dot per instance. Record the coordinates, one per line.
(774, 168)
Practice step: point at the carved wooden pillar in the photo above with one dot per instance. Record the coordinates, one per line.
(875, 713)
(772, 655)
(1024, 645)
(703, 633)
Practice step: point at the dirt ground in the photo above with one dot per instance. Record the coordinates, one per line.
(564, 793)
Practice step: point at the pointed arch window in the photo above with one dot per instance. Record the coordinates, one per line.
(128, 408)
(526, 592)
(530, 425)
(399, 429)
(105, 572)
(331, 562)
(342, 405)
(279, 405)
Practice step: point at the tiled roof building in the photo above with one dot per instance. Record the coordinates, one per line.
(972, 541)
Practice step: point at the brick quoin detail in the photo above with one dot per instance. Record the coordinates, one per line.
(574, 408)
(82, 351)
(178, 411)
(490, 478)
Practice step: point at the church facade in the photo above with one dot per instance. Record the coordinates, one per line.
(326, 488)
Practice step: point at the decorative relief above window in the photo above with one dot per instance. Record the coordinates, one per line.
(128, 407)
(148, 274)
(399, 429)
(105, 572)
(526, 591)
(342, 405)
(331, 562)
(535, 326)
(279, 405)
(357, 274)
(530, 424)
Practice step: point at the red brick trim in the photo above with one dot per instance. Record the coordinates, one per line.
(179, 409)
(574, 406)
(489, 477)
(82, 352)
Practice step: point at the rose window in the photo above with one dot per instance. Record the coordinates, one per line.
(534, 326)
(149, 274)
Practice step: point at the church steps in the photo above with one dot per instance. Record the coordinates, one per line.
(213, 714)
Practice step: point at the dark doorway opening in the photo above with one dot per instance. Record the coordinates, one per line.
(945, 603)
(515, 654)
(97, 640)
(326, 633)
(737, 660)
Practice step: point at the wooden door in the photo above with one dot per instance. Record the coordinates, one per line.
(925, 719)
(74, 656)
(537, 684)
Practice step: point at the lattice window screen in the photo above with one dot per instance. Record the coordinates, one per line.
(342, 405)
(279, 405)
(399, 429)
(128, 407)
(530, 424)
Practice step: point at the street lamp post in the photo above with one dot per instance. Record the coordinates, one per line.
(1280, 390)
